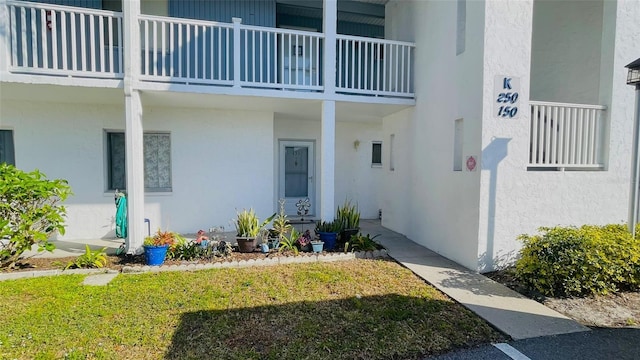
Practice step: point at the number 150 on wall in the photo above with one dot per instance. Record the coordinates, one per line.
(507, 110)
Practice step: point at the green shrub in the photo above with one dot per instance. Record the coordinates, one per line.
(569, 261)
(29, 212)
(362, 243)
(90, 259)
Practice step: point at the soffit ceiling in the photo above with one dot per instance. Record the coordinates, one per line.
(372, 13)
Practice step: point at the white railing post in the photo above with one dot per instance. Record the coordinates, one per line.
(330, 16)
(236, 51)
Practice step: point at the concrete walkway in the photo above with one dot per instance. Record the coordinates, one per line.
(510, 312)
(507, 310)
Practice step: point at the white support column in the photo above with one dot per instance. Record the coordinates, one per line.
(327, 160)
(134, 140)
(330, 26)
(328, 134)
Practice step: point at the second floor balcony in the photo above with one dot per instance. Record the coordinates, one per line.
(88, 43)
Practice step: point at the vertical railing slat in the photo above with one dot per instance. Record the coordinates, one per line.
(579, 136)
(63, 42)
(14, 37)
(196, 36)
(154, 48)
(112, 46)
(92, 41)
(204, 52)
(188, 46)
(120, 46)
(554, 135)
(102, 59)
(163, 55)
(23, 24)
(43, 30)
(73, 45)
(547, 134)
(561, 136)
(180, 74)
(83, 42)
(533, 138)
(34, 39)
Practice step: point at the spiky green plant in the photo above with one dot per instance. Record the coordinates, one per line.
(248, 225)
(348, 215)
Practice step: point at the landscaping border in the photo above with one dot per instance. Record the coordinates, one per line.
(277, 260)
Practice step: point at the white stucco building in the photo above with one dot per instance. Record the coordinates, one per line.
(465, 123)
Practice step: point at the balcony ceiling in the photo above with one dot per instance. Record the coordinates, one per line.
(369, 12)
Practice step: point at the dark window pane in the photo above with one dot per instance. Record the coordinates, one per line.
(376, 156)
(7, 154)
(116, 161)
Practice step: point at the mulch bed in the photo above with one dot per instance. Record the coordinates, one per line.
(117, 262)
(612, 310)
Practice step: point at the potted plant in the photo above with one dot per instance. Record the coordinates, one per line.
(248, 227)
(156, 246)
(328, 232)
(264, 237)
(304, 241)
(202, 239)
(317, 245)
(349, 216)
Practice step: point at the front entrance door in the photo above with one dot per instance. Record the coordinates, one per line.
(297, 180)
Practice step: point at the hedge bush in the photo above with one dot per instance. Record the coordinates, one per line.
(570, 261)
(30, 212)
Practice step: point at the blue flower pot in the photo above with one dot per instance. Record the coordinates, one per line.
(274, 244)
(264, 248)
(155, 255)
(329, 239)
(317, 246)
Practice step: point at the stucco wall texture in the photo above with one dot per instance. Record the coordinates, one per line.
(475, 217)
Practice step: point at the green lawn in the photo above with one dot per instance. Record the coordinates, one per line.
(361, 309)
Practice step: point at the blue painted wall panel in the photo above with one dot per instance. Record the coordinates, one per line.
(252, 12)
(344, 27)
(91, 4)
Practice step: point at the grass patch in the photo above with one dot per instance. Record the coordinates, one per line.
(361, 309)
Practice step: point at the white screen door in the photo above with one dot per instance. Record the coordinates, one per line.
(297, 180)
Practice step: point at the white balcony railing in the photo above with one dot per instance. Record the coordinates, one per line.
(189, 51)
(79, 42)
(280, 58)
(374, 66)
(566, 135)
(205, 52)
(61, 40)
